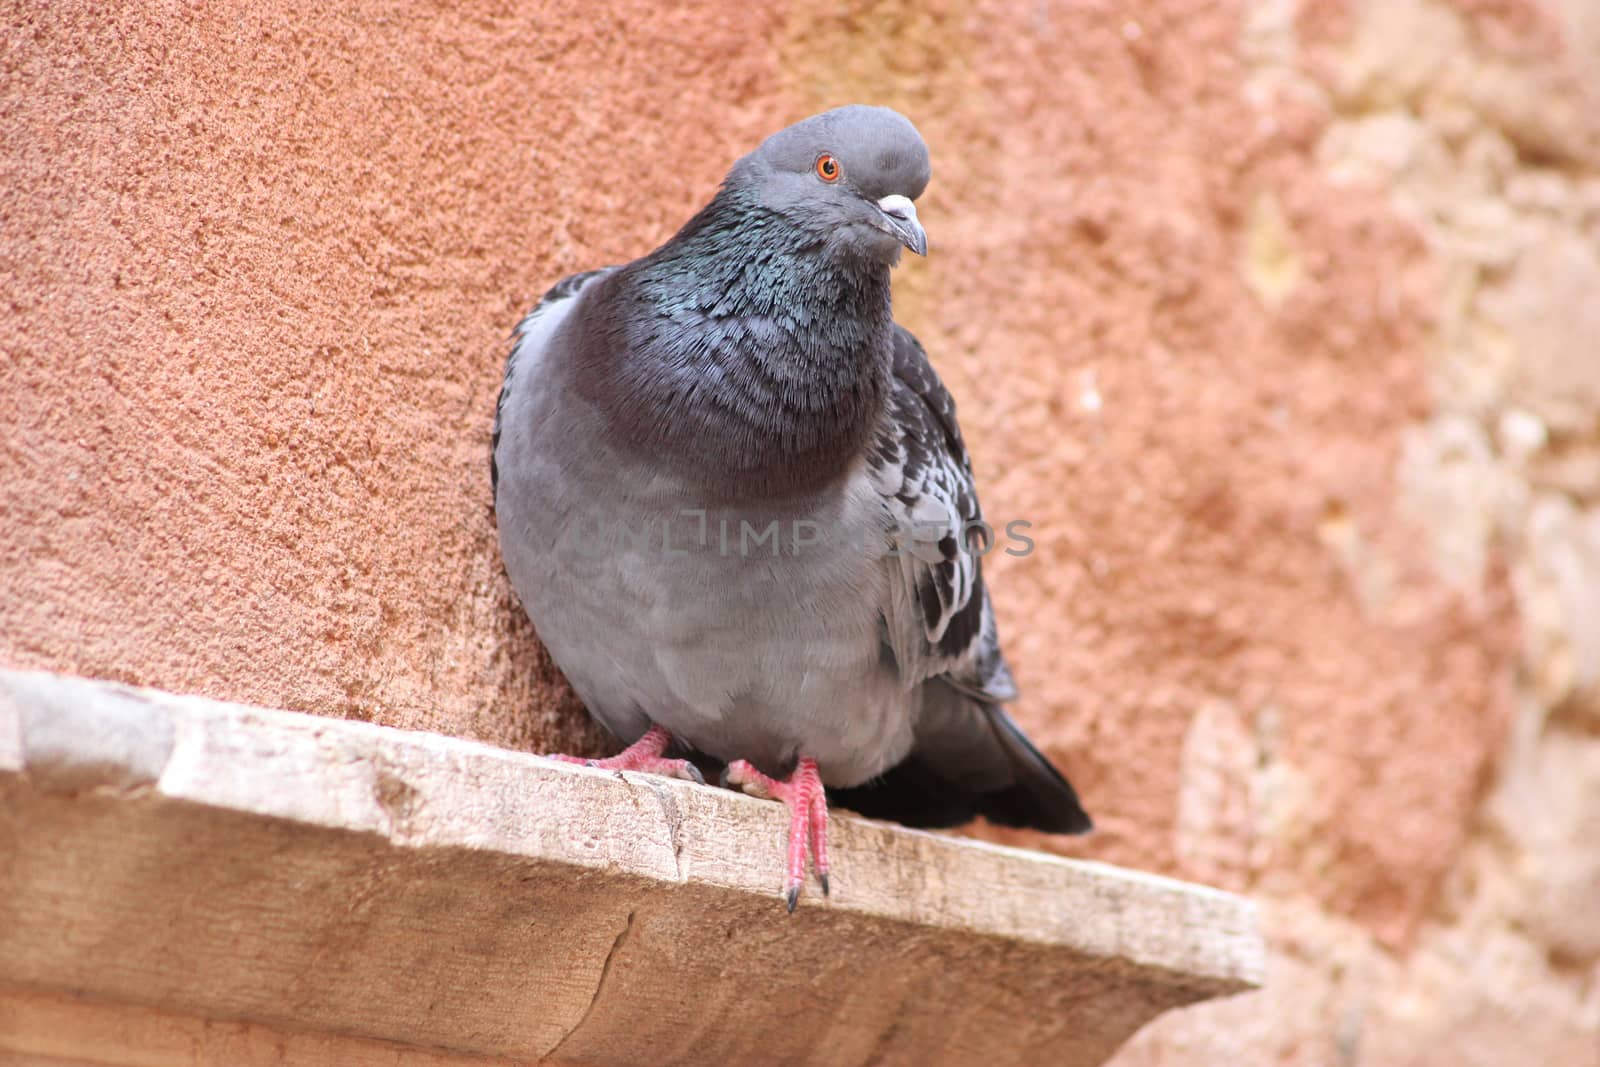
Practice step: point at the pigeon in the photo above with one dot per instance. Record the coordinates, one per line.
(734, 500)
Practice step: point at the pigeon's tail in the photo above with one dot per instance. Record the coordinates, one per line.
(1041, 798)
(969, 760)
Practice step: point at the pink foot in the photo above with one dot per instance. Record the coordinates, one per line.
(808, 817)
(645, 755)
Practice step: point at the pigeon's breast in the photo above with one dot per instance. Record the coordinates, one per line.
(748, 631)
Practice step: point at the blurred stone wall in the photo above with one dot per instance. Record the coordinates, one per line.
(1480, 122)
(1279, 320)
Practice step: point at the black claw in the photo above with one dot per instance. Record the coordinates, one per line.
(824, 880)
(793, 897)
(694, 773)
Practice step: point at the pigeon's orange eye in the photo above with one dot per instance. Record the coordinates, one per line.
(828, 168)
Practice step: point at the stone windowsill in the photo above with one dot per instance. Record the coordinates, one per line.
(183, 880)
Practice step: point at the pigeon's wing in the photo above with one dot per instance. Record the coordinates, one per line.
(940, 623)
(968, 758)
(564, 290)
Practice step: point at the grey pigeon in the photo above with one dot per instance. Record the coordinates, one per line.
(734, 501)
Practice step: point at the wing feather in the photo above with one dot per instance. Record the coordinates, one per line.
(969, 758)
(940, 622)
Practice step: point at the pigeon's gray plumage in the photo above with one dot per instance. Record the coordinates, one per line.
(734, 500)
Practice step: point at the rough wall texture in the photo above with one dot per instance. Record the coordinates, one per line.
(1278, 321)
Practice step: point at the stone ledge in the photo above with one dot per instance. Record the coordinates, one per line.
(208, 861)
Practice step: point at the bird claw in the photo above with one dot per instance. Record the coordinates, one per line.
(688, 772)
(807, 802)
(643, 755)
(742, 775)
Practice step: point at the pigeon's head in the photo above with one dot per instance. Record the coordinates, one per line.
(847, 176)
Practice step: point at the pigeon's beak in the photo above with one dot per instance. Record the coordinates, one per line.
(900, 216)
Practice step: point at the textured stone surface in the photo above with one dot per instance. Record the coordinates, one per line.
(1479, 121)
(1274, 317)
(341, 878)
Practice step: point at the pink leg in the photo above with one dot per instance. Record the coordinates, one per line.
(645, 755)
(808, 817)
